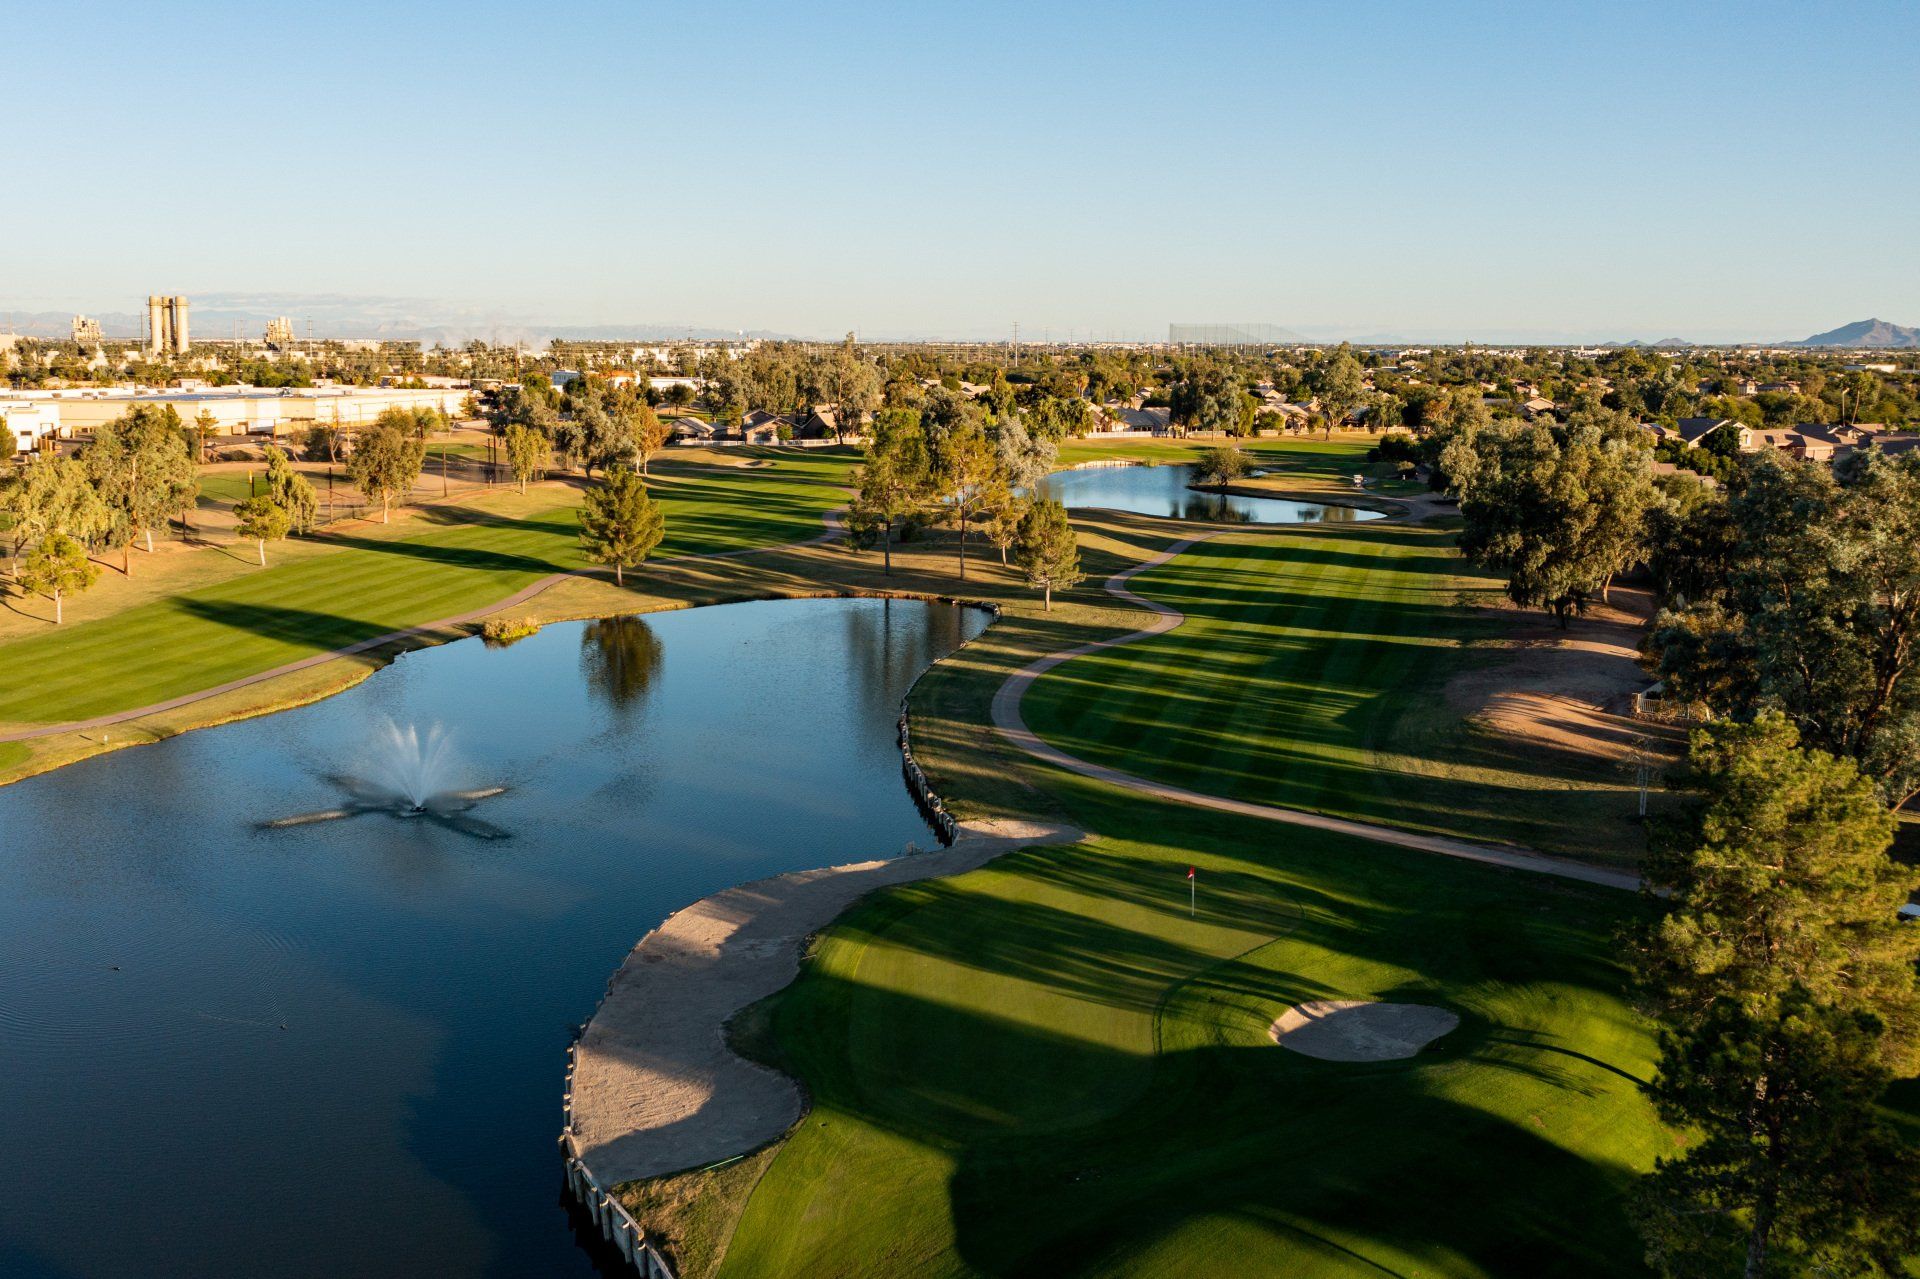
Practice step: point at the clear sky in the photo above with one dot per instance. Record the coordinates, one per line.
(1470, 169)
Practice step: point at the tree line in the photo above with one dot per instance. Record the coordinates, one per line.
(952, 463)
(139, 471)
(1776, 962)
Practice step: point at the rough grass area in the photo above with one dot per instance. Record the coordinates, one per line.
(1048, 1067)
(690, 1217)
(1309, 674)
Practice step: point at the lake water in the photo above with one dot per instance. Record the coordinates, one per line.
(1163, 491)
(339, 1048)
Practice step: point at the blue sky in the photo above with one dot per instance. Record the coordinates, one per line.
(1700, 170)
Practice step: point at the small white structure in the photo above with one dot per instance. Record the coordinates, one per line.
(27, 423)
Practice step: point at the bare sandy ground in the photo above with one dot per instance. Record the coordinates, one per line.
(1360, 1030)
(656, 1089)
(1569, 691)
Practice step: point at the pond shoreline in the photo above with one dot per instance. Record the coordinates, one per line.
(1391, 507)
(375, 652)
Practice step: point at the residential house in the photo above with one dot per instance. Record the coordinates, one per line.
(762, 427)
(1158, 421)
(824, 423)
(1692, 430)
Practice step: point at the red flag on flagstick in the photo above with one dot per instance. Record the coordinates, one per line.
(1189, 872)
(1193, 895)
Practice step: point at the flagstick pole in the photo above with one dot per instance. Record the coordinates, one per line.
(1193, 897)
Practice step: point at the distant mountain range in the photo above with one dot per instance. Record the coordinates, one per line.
(425, 320)
(1877, 333)
(433, 321)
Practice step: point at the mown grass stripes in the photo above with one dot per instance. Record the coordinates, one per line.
(1305, 675)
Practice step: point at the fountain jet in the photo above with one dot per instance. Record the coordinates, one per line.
(413, 781)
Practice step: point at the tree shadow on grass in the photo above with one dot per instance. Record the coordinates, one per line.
(483, 558)
(298, 628)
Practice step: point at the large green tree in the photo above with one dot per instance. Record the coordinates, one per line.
(1784, 982)
(1809, 600)
(52, 494)
(1221, 467)
(261, 520)
(1559, 510)
(528, 452)
(649, 433)
(143, 470)
(1025, 456)
(620, 524)
(969, 480)
(894, 483)
(1340, 386)
(386, 460)
(292, 492)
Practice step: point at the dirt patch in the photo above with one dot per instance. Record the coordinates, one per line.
(1360, 1030)
(1570, 691)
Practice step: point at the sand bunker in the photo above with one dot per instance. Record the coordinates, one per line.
(1360, 1030)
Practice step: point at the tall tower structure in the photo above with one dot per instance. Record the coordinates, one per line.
(167, 329)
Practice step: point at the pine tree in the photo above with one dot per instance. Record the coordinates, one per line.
(619, 524)
(1047, 551)
(1784, 981)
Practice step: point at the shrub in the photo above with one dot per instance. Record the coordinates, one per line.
(498, 632)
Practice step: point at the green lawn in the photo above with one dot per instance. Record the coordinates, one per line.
(1046, 1068)
(226, 486)
(1309, 674)
(449, 561)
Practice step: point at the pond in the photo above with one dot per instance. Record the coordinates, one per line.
(1163, 491)
(338, 1047)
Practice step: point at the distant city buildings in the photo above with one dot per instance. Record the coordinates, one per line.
(86, 330)
(280, 333)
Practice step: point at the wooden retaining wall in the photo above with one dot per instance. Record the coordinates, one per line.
(617, 1225)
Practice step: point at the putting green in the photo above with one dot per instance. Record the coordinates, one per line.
(1047, 1067)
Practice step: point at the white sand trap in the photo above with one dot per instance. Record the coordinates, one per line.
(1360, 1030)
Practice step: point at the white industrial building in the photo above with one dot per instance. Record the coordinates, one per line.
(239, 410)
